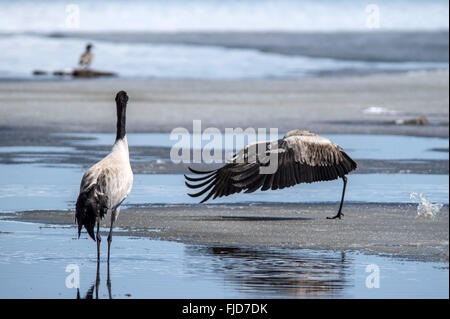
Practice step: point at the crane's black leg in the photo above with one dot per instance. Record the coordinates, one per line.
(110, 237)
(99, 238)
(339, 214)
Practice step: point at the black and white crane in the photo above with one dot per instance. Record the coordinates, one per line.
(302, 157)
(106, 184)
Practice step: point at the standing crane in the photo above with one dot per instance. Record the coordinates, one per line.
(106, 184)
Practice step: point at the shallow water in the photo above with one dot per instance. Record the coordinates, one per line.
(34, 257)
(177, 61)
(389, 188)
(30, 187)
(359, 146)
(25, 27)
(48, 177)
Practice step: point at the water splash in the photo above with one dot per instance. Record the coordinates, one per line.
(425, 209)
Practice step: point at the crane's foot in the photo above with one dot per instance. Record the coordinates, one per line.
(339, 215)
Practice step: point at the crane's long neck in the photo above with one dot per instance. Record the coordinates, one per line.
(121, 119)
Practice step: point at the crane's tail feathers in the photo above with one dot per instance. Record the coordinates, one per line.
(88, 209)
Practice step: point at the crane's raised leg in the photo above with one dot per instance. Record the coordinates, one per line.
(99, 238)
(339, 214)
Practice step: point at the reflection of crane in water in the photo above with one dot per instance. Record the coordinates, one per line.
(279, 271)
(94, 287)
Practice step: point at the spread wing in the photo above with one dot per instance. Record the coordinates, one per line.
(298, 159)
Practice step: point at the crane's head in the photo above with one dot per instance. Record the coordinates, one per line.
(121, 98)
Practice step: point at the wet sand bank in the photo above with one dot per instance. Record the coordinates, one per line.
(386, 229)
(324, 105)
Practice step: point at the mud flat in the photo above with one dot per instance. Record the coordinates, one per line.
(352, 104)
(385, 229)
